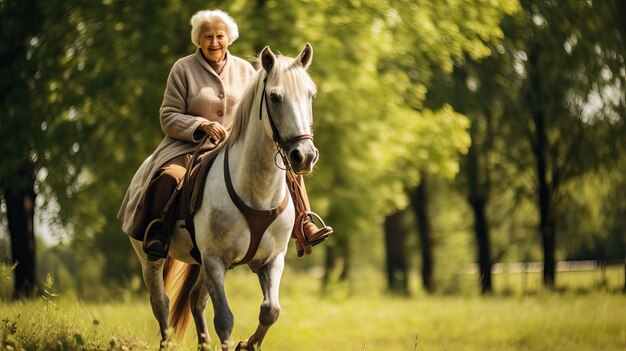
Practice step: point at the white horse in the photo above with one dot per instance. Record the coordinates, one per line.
(274, 113)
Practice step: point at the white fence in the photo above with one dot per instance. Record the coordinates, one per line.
(521, 267)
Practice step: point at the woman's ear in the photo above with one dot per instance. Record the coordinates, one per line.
(267, 59)
(306, 56)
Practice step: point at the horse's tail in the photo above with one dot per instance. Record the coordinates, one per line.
(179, 278)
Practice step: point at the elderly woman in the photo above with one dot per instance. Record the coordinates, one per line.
(199, 101)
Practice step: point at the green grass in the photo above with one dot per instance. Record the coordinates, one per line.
(576, 319)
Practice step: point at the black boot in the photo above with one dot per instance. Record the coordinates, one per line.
(156, 241)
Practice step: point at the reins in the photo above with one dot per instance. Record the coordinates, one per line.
(280, 145)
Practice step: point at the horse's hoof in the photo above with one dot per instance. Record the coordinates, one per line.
(166, 345)
(243, 345)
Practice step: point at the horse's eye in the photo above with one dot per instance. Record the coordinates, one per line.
(275, 97)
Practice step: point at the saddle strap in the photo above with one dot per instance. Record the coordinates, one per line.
(186, 206)
(258, 220)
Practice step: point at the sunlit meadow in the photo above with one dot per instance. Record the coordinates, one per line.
(363, 319)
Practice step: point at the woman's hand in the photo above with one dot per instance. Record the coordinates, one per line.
(215, 131)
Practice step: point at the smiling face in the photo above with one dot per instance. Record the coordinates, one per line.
(214, 40)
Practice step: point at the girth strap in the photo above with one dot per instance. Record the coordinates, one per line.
(258, 220)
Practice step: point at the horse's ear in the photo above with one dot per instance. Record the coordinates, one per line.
(267, 59)
(306, 56)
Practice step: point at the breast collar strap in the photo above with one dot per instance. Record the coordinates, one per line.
(258, 220)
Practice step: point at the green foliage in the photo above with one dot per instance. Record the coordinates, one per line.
(565, 60)
(573, 71)
(372, 65)
(593, 210)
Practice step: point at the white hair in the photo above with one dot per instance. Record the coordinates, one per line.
(208, 16)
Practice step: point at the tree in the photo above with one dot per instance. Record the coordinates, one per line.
(574, 53)
(420, 201)
(395, 129)
(461, 90)
(557, 59)
(32, 118)
(69, 114)
(461, 27)
(395, 246)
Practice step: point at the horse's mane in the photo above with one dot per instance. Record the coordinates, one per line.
(291, 75)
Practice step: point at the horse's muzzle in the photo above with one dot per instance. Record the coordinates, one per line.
(302, 156)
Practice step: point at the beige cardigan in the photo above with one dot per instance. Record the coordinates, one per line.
(194, 93)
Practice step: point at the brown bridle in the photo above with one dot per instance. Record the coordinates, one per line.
(281, 145)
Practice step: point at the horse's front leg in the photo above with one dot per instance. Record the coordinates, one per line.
(269, 277)
(223, 319)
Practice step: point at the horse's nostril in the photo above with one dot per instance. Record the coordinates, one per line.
(296, 157)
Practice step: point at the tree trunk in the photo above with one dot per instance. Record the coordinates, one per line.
(481, 230)
(21, 21)
(547, 226)
(419, 203)
(475, 168)
(478, 201)
(345, 251)
(329, 265)
(397, 273)
(478, 189)
(20, 203)
(337, 257)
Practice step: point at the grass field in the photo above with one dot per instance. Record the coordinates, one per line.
(574, 319)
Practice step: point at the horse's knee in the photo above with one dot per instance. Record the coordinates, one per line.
(269, 313)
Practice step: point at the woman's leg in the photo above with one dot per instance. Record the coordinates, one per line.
(307, 234)
(160, 190)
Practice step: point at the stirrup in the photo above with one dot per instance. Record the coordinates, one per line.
(323, 231)
(160, 231)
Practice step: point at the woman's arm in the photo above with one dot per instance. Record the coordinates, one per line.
(175, 121)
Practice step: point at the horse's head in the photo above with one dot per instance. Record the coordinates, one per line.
(288, 96)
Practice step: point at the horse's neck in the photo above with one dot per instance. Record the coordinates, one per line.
(256, 178)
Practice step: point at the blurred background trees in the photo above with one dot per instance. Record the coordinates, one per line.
(455, 132)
